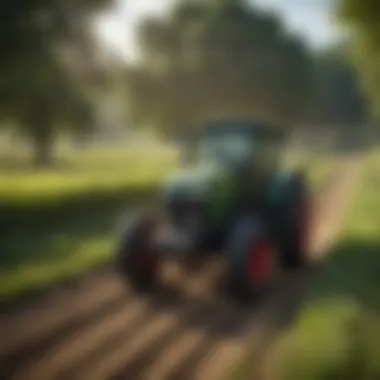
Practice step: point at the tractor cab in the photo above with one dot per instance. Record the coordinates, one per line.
(240, 145)
(231, 164)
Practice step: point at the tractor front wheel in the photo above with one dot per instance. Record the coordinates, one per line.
(136, 257)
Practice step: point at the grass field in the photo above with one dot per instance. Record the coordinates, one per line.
(60, 222)
(337, 334)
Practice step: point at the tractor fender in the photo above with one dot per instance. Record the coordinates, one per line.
(288, 189)
(281, 185)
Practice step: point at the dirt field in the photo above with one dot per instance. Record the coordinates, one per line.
(98, 329)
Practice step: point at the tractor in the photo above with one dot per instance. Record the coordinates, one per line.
(234, 197)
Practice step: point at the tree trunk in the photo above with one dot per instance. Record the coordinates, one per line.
(43, 149)
(42, 154)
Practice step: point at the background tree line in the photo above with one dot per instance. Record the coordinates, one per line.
(203, 59)
(47, 67)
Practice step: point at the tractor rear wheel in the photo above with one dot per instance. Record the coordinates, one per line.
(295, 225)
(251, 259)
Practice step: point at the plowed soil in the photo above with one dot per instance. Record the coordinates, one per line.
(99, 329)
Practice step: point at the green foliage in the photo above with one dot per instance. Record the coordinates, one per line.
(338, 100)
(337, 333)
(361, 18)
(46, 47)
(208, 59)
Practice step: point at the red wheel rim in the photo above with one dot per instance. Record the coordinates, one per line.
(261, 260)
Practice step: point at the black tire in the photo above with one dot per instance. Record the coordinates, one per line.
(136, 258)
(295, 223)
(246, 233)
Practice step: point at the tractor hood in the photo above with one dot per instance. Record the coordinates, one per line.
(193, 182)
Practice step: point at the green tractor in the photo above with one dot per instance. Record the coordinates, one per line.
(233, 198)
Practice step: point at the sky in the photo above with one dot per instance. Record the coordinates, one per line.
(310, 18)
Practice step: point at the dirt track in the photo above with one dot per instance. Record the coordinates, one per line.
(100, 330)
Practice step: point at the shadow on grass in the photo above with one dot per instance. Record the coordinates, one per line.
(337, 330)
(32, 234)
(353, 271)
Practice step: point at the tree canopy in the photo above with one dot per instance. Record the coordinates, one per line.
(338, 100)
(216, 58)
(361, 17)
(46, 48)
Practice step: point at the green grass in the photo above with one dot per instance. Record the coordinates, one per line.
(60, 222)
(98, 170)
(320, 168)
(337, 334)
(316, 165)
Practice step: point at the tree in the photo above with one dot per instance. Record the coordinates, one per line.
(361, 17)
(216, 58)
(46, 47)
(338, 100)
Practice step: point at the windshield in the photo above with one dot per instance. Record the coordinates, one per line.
(228, 148)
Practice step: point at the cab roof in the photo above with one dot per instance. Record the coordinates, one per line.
(250, 127)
